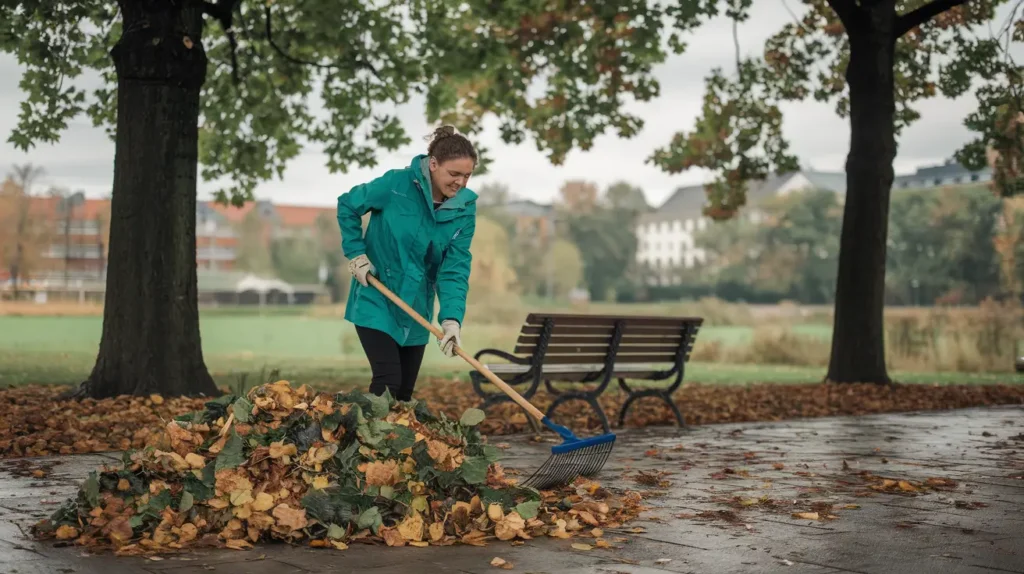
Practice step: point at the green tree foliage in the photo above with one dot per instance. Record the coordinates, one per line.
(604, 235)
(942, 246)
(253, 252)
(492, 277)
(787, 248)
(296, 258)
(562, 268)
(624, 197)
(873, 61)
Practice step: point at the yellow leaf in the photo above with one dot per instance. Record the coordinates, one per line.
(240, 497)
(494, 512)
(123, 485)
(419, 543)
(321, 482)
(382, 473)
(579, 546)
(280, 450)
(806, 515)
(412, 527)
(436, 531)
(290, 518)
(238, 544)
(419, 503)
(263, 502)
(157, 399)
(194, 460)
(65, 532)
(391, 536)
(338, 545)
(907, 487)
(501, 563)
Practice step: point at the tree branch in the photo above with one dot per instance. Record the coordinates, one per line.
(915, 18)
(356, 63)
(223, 11)
(847, 11)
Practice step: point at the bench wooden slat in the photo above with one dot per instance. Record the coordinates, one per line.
(605, 331)
(577, 359)
(597, 349)
(601, 340)
(572, 369)
(603, 320)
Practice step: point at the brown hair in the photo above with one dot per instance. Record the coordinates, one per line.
(446, 144)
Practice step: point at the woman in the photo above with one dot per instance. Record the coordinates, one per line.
(421, 226)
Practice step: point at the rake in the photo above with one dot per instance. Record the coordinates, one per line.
(574, 457)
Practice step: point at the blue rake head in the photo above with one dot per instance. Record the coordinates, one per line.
(574, 457)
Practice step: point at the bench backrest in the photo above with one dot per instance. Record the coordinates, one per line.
(586, 339)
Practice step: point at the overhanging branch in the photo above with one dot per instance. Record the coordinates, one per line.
(846, 9)
(223, 11)
(915, 18)
(355, 63)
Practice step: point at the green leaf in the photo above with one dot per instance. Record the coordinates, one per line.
(472, 417)
(474, 470)
(528, 509)
(186, 501)
(370, 518)
(91, 489)
(242, 409)
(231, 456)
(335, 532)
(404, 438)
(379, 406)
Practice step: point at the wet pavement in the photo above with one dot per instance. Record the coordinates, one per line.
(954, 502)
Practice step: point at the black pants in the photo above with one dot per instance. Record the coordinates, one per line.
(394, 367)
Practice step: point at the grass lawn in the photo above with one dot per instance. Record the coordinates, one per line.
(326, 351)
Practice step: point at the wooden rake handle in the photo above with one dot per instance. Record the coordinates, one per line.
(508, 390)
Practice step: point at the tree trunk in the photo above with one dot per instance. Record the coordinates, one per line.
(150, 341)
(858, 338)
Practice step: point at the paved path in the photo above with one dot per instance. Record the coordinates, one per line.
(727, 506)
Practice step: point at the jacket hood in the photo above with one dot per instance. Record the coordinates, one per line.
(418, 166)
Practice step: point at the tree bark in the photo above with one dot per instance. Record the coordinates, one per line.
(858, 339)
(150, 341)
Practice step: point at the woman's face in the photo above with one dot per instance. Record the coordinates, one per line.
(451, 176)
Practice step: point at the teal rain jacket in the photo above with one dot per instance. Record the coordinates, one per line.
(416, 250)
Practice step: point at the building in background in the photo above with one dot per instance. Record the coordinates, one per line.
(665, 237)
(531, 219)
(949, 173)
(73, 235)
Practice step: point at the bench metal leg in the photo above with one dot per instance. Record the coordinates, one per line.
(589, 398)
(663, 394)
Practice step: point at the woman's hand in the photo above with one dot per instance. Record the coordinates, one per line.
(452, 337)
(359, 267)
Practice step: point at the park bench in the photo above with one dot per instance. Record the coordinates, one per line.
(564, 348)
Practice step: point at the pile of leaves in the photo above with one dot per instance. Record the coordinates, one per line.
(285, 463)
(36, 424)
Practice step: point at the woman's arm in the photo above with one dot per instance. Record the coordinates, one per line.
(453, 277)
(356, 203)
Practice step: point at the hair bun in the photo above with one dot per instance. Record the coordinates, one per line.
(444, 132)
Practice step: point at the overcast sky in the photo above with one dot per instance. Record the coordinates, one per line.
(84, 157)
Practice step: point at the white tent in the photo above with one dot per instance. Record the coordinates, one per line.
(262, 286)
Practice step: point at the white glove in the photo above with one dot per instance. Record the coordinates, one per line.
(359, 267)
(452, 337)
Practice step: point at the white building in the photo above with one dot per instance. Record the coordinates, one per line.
(665, 237)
